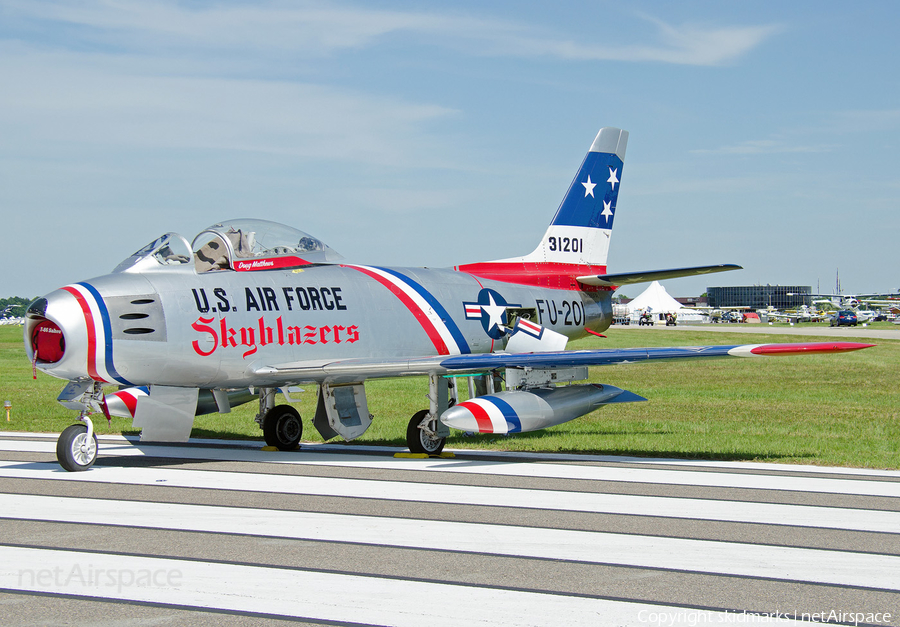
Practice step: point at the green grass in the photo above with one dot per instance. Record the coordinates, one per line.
(840, 410)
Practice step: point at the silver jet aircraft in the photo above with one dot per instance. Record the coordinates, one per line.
(251, 308)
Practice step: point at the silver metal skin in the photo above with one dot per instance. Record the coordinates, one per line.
(179, 328)
(229, 330)
(251, 307)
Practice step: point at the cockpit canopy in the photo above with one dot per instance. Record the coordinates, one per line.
(247, 245)
(243, 245)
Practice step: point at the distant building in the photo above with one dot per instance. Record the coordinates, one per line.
(692, 301)
(760, 296)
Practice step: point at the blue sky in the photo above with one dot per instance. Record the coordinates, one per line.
(409, 133)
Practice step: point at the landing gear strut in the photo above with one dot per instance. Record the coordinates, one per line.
(425, 433)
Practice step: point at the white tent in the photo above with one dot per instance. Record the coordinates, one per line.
(657, 300)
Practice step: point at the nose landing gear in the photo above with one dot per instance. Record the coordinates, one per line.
(76, 448)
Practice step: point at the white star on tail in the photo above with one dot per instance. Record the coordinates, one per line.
(606, 210)
(612, 178)
(589, 188)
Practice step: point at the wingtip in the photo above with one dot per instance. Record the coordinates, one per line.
(809, 348)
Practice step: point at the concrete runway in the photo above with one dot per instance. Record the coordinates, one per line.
(221, 533)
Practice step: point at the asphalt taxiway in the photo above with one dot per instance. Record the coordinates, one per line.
(222, 533)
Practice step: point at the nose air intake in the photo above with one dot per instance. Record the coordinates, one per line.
(48, 342)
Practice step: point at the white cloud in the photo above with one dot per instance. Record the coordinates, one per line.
(63, 98)
(310, 27)
(324, 28)
(684, 45)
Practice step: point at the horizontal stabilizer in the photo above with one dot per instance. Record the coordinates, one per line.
(627, 278)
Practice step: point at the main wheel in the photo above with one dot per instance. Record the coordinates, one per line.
(420, 442)
(75, 451)
(282, 427)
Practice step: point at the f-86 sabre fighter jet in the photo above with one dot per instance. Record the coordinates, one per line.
(250, 308)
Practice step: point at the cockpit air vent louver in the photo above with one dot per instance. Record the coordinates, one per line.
(137, 317)
(138, 331)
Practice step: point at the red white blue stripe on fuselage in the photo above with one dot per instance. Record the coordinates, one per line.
(100, 364)
(437, 323)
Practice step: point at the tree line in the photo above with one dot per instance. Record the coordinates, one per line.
(17, 306)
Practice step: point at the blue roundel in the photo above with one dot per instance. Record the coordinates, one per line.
(491, 310)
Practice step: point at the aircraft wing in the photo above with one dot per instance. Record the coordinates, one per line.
(627, 278)
(350, 370)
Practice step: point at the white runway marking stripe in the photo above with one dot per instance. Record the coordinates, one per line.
(843, 485)
(737, 559)
(591, 502)
(317, 595)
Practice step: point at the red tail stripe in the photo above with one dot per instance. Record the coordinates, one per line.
(554, 275)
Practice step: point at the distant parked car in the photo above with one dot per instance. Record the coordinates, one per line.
(844, 317)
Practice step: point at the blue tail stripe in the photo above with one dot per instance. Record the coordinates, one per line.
(431, 300)
(584, 205)
(107, 333)
(512, 418)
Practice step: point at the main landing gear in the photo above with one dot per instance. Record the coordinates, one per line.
(76, 448)
(281, 424)
(282, 427)
(421, 434)
(425, 433)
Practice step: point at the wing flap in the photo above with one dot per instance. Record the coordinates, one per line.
(347, 369)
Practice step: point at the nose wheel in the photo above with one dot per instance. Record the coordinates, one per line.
(76, 448)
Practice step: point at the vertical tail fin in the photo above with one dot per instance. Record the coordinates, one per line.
(577, 240)
(579, 232)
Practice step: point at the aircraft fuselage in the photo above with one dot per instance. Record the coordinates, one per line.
(176, 327)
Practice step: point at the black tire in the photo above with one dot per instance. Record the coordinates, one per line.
(418, 441)
(74, 451)
(282, 427)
